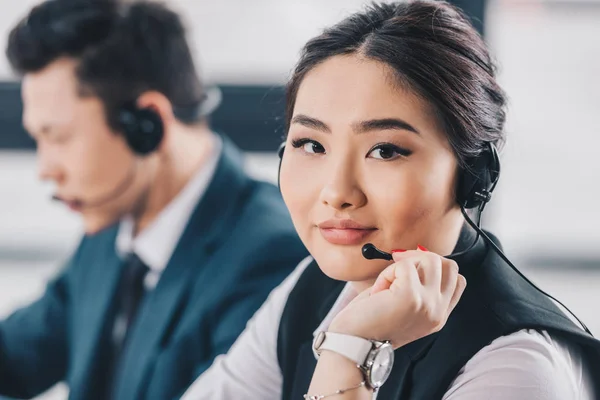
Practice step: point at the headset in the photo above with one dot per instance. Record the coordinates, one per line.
(143, 131)
(142, 128)
(476, 182)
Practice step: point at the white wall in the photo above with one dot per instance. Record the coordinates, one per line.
(549, 58)
(234, 40)
(550, 188)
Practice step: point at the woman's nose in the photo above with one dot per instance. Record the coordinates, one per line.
(341, 191)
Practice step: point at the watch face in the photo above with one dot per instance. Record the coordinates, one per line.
(383, 361)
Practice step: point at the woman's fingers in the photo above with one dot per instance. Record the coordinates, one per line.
(389, 275)
(449, 276)
(430, 273)
(410, 299)
(406, 277)
(439, 283)
(461, 284)
(384, 280)
(427, 264)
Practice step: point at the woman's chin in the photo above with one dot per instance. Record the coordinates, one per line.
(347, 265)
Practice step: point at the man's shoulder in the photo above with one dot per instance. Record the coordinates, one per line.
(91, 245)
(262, 232)
(264, 206)
(99, 240)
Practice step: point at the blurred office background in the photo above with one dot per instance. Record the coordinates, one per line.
(546, 208)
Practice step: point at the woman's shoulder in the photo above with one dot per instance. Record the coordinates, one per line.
(523, 365)
(283, 290)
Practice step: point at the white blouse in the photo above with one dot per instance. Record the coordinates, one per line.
(522, 366)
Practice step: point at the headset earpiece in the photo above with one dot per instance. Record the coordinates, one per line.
(478, 179)
(142, 127)
(280, 152)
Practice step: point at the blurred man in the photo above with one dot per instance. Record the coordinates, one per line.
(181, 247)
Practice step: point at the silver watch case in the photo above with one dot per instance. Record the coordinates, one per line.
(379, 364)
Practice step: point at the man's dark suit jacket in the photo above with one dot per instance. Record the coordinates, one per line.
(238, 245)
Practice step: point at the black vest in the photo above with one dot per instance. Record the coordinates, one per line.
(496, 302)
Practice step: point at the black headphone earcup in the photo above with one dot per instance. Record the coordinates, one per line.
(143, 129)
(477, 180)
(470, 182)
(280, 152)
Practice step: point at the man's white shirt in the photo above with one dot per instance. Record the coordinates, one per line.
(156, 243)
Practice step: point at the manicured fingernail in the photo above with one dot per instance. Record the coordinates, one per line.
(422, 248)
(398, 251)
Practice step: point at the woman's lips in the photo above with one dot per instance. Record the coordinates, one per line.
(345, 236)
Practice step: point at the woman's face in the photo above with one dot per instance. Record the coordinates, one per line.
(366, 162)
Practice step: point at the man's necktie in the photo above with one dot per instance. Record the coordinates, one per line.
(128, 297)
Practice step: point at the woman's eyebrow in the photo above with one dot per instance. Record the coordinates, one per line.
(311, 123)
(359, 127)
(383, 124)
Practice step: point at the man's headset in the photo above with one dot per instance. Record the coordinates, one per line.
(477, 181)
(143, 130)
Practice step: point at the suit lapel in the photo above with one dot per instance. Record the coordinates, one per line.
(101, 280)
(213, 216)
(306, 361)
(305, 368)
(398, 384)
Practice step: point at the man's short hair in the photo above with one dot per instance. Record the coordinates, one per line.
(123, 49)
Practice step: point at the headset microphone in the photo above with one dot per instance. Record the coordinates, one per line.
(476, 184)
(75, 203)
(143, 130)
(370, 252)
(113, 194)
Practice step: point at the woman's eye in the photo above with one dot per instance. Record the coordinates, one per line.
(309, 146)
(388, 152)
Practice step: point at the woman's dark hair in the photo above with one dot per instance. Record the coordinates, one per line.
(123, 49)
(433, 50)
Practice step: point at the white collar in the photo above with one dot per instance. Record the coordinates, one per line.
(156, 243)
(346, 296)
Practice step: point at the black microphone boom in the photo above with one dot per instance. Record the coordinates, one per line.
(370, 252)
(119, 190)
(514, 268)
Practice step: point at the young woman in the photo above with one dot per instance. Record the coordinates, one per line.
(394, 115)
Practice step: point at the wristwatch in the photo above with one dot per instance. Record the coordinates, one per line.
(374, 358)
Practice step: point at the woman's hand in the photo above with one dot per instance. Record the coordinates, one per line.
(411, 298)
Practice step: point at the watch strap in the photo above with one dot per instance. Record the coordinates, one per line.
(354, 348)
